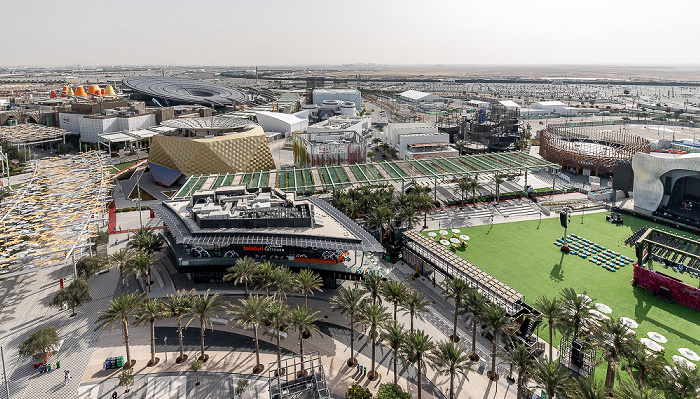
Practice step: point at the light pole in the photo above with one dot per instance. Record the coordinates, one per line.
(4, 372)
(165, 344)
(138, 191)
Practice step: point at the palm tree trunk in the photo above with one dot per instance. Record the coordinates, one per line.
(306, 300)
(412, 321)
(374, 345)
(301, 348)
(153, 341)
(121, 277)
(493, 355)
(126, 342)
(279, 352)
(257, 347)
(201, 336)
(179, 336)
(610, 375)
(452, 386)
(352, 337)
(245, 284)
(420, 380)
(396, 305)
(551, 341)
(454, 331)
(396, 377)
(520, 387)
(145, 283)
(474, 335)
(425, 218)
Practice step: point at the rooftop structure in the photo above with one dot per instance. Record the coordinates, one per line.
(341, 95)
(184, 91)
(281, 123)
(416, 96)
(337, 123)
(206, 126)
(57, 212)
(329, 148)
(30, 134)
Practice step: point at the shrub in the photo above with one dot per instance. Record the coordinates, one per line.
(40, 342)
(391, 391)
(358, 392)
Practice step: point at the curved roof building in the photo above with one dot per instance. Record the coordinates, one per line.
(184, 91)
(203, 149)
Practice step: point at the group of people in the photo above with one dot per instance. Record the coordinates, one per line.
(687, 206)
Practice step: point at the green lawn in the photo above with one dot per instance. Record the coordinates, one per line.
(123, 165)
(523, 255)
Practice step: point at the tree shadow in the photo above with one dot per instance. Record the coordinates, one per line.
(557, 273)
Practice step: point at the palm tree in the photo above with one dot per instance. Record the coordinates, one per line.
(146, 241)
(418, 345)
(551, 377)
(394, 292)
(522, 360)
(497, 319)
(119, 310)
(278, 317)
(681, 382)
(249, 313)
(463, 186)
(577, 309)
(394, 336)
(375, 316)
(141, 262)
(455, 289)
(426, 204)
(645, 364)
(416, 304)
(265, 276)
(380, 218)
(611, 338)
(347, 302)
(451, 359)
(305, 321)
(242, 272)
(474, 305)
(628, 390)
(409, 214)
(120, 259)
(586, 388)
(553, 314)
(283, 282)
(147, 313)
(203, 309)
(473, 186)
(178, 306)
(306, 282)
(372, 284)
(498, 180)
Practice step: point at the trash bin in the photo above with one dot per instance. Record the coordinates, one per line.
(48, 367)
(58, 364)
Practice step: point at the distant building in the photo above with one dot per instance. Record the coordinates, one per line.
(415, 96)
(359, 124)
(418, 140)
(320, 96)
(478, 104)
(555, 107)
(89, 120)
(329, 148)
(281, 123)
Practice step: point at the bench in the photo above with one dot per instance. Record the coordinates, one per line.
(216, 320)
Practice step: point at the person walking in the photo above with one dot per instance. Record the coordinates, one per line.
(114, 395)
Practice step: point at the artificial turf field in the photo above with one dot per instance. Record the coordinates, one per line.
(523, 255)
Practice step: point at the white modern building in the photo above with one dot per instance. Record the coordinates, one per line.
(358, 124)
(415, 96)
(89, 127)
(510, 105)
(555, 107)
(278, 122)
(418, 140)
(341, 95)
(533, 112)
(666, 180)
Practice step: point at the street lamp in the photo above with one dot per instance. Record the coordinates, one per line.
(165, 344)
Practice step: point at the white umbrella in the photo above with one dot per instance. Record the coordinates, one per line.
(585, 297)
(629, 322)
(456, 230)
(689, 354)
(657, 337)
(681, 360)
(464, 237)
(432, 234)
(598, 315)
(652, 345)
(454, 240)
(444, 242)
(443, 232)
(603, 308)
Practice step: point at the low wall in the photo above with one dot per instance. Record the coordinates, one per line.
(680, 292)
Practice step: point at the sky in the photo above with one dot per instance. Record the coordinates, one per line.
(282, 32)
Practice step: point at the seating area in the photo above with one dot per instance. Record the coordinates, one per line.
(673, 251)
(594, 252)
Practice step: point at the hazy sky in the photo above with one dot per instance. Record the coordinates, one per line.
(276, 32)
